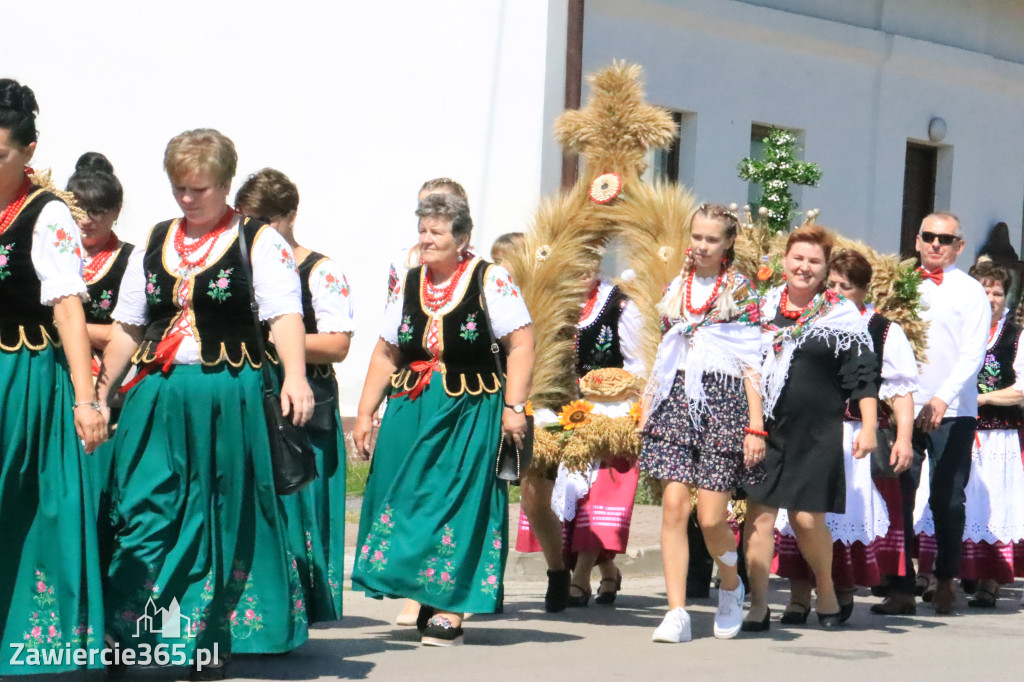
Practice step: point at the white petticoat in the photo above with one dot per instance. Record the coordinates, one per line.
(866, 518)
(995, 491)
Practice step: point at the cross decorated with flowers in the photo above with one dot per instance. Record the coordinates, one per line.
(775, 173)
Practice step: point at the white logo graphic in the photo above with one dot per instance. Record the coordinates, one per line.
(170, 621)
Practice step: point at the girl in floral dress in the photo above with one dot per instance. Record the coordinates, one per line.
(703, 427)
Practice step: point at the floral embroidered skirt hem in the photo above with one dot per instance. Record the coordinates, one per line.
(49, 571)
(434, 523)
(710, 457)
(316, 524)
(205, 536)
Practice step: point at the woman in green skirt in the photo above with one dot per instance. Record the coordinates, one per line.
(51, 605)
(316, 514)
(435, 517)
(203, 548)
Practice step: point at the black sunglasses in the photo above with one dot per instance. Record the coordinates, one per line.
(944, 239)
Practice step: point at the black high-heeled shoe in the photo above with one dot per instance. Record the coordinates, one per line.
(557, 597)
(758, 625)
(830, 621)
(845, 611)
(795, 617)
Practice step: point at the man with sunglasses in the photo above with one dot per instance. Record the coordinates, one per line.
(958, 315)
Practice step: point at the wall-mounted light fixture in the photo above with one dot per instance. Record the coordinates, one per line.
(937, 129)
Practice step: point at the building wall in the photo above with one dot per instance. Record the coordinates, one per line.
(859, 79)
(358, 102)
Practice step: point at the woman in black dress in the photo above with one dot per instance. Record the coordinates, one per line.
(818, 355)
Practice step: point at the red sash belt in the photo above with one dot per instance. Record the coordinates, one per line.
(425, 370)
(163, 359)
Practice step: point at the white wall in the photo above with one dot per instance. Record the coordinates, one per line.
(358, 102)
(858, 93)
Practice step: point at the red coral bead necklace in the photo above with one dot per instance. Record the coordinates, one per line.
(13, 208)
(795, 314)
(97, 262)
(436, 298)
(588, 307)
(688, 299)
(186, 251)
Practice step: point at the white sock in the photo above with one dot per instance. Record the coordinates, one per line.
(728, 558)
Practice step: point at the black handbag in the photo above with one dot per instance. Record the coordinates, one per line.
(512, 461)
(880, 467)
(325, 408)
(291, 454)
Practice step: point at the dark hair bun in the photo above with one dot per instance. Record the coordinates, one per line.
(17, 98)
(92, 162)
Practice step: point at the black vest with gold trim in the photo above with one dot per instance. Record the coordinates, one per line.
(997, 373)
(24, 320)
(466, 361)
(597, 344)
(221, 318)
(306, 268)
(104, 289)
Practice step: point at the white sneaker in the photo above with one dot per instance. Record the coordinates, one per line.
(675, 628)
(729, 617)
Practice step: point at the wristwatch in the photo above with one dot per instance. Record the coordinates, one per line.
(518, 408)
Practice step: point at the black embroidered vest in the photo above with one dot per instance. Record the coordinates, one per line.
(878, 328)
(306, 268)
(597, 344)
(24, 320)
(466, 361)
(103, 291)
(218, 302)
(997, 373)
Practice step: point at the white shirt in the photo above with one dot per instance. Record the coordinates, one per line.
(332, 298)
(56, 254)
(275, 280)
(504, 303)
(959, 316)
(716, 363)
(899, 366)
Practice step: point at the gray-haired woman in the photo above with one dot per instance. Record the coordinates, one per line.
(435, 518)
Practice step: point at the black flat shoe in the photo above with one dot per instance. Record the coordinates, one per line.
(830, 621)
(795, 617)
(578, 597)
(608, 596)
(424, 616)
(557, 597)
(757, 625)
(845, 611)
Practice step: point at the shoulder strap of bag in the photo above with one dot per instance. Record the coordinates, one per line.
(495, 348)
(268, 383)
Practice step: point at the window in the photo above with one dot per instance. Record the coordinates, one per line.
(675, 164)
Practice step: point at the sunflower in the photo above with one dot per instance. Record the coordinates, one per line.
(605, 187)
(576, 413)
(635, 411)
(543, 253)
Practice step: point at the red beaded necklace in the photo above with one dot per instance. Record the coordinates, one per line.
(13, 208)
(588, 307)
(96, 263)
(795, 315)
(436, 298)
(688, 298)
(185, 251)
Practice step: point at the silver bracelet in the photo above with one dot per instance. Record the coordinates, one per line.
(94, 404)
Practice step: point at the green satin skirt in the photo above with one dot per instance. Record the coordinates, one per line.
(201, 531)
(50, 594)
(434, 522)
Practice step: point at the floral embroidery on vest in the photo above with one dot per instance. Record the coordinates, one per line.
(489, 585)
(5, 250)
(405, 330)
(988, 377)
(218, 289)
(152, 290)
(44, 621)
(468, 328)
(64, 241)
(245, 619)
(373, 553)
(437, 575)
(101, 307)
(604, 339)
